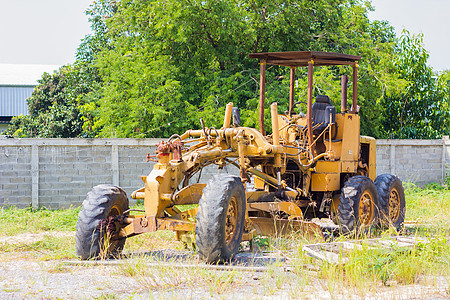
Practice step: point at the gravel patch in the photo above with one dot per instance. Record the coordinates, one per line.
(175, 274)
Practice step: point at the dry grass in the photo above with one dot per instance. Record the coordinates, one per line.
(368, 273)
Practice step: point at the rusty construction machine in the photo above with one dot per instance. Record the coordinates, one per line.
(313, 165)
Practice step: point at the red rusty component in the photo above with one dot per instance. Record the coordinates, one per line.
(165, 148)
(176, 148)
(151, 157)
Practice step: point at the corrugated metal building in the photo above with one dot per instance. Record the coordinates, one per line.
(17, 82)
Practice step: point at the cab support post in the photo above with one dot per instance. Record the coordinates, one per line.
(262, 95)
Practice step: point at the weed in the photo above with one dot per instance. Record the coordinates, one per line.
(106, 296)
(59, 268)
(274, 278)
(218, 282)
(368, 267)
(162, 239)
(428, 206)
(11, 290)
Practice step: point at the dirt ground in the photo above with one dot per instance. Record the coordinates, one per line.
(175, 274)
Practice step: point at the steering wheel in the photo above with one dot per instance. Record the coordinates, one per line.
(296, 103)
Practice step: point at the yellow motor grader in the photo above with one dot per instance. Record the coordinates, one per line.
(313, 165)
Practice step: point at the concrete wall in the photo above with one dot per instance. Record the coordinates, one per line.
(57, 173)
(417, 161)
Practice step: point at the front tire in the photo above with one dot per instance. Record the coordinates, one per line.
(392, 200)
(358, 205)
(220, 219)
(96, 227)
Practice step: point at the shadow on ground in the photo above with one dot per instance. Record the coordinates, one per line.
(244, 258)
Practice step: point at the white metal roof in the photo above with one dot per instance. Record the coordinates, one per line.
(18, 74)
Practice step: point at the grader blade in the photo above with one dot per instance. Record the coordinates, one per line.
(282, 227)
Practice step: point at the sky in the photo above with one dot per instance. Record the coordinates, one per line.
(429, 17)
(49, 31)
(41, 31)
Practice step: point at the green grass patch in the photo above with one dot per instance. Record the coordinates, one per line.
(429, 205)
(369, 268)
(46, 247)
(15, 221)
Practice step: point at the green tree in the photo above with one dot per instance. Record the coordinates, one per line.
(52, 107)
(172, 62)
(65, 104)
(153, 68)
(420, 110)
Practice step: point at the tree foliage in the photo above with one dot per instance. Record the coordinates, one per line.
(421, 108)
(152, 68)
(53, 111)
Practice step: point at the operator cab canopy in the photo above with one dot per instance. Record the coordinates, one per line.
(302, 58)
(294, 59)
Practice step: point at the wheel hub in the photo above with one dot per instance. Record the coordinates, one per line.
(394, 205)
(366, 209)
(231, 221)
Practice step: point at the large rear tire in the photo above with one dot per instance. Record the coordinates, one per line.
(220, 219)
(96, 235)
(392, 200)
(358, 205)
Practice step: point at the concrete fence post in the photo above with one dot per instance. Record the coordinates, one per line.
(445, 156)
(35, 176)
(115, 165)
(392, 163)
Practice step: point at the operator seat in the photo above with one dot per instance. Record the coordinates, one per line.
(321, 110)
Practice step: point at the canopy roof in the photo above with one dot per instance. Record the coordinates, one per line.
(301, 58)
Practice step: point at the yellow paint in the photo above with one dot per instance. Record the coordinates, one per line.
(325, 166)
(321, 182)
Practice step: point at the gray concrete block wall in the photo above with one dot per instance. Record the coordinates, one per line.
(15, 176)
(417, 161)
(132, 165)
(383, 159)
(57, 173)
(446, 155)
(66, 173)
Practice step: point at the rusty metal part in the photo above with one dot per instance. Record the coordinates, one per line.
(291, 90)
(309, 105)
(289, 208)
(262, 96)
(190, 194)
(227, 118)
(355, 89)
(151, 223)
(302, 58)
(174, 136)
(283, 227)
(152, 157)
(231, 220)
(344, 83)
(394, 205)
(366, 208)
(138, 194)
(176, 149)
(163, 147)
